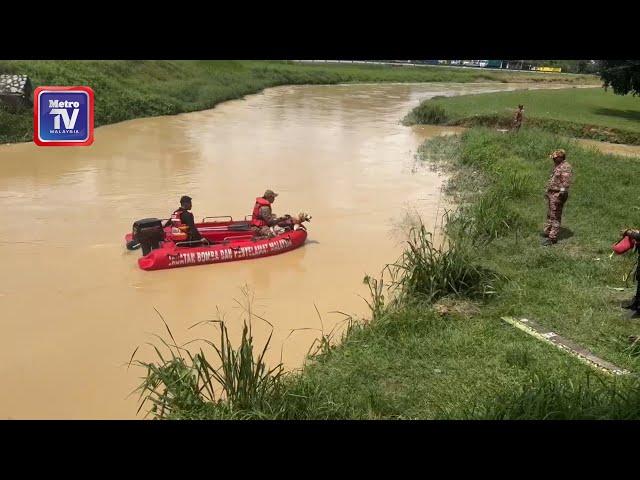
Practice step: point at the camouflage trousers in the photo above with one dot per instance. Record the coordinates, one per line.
(555, 203)
(262, 232)
(267, 232)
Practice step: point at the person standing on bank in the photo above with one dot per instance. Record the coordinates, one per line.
(557, 194)
(517, 118)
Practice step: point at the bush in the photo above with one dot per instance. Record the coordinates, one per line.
(187, 383)
(427, 113)
(427, 273)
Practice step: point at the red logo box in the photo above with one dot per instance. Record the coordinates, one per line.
(55, 106)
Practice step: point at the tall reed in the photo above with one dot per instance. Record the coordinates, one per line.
(427, 273)
(182, 381)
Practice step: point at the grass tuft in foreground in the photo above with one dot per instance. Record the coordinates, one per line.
(183, 384)
(427, 273)
(591, 398)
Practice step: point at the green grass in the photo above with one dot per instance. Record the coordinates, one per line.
(132, 89)
(417, 363)
(559, 399)
(577, 112)
(566, 287)
(412, 363)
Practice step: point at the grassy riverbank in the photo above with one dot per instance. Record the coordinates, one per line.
(440, 350)
(133, 89)
(575, 112)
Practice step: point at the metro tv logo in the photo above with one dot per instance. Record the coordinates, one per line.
(63, 116)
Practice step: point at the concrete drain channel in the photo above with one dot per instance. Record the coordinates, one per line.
(532, 328)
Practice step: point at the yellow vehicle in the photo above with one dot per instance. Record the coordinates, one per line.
(547, 69)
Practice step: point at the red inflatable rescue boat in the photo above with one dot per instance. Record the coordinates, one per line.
(172, 255)
(163, 247)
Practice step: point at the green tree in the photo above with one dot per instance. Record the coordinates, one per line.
(621, 75)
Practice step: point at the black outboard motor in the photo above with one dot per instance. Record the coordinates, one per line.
(149, 233)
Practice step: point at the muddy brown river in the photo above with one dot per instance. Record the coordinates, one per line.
(75, 304)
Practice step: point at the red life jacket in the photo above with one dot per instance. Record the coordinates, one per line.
(177, 222)
(256, 221)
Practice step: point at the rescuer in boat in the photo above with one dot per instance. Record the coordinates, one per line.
(182, 219)
(263, 219)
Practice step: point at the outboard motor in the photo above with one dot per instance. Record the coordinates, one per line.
(149, 233)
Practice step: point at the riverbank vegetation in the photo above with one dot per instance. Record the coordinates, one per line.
(575, 112)
(435, 345)
(133, 89)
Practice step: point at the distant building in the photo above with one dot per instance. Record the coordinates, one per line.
(16, 90)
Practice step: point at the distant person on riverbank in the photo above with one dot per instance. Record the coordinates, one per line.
(557, 194)
(517, 118)
(182, 219)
